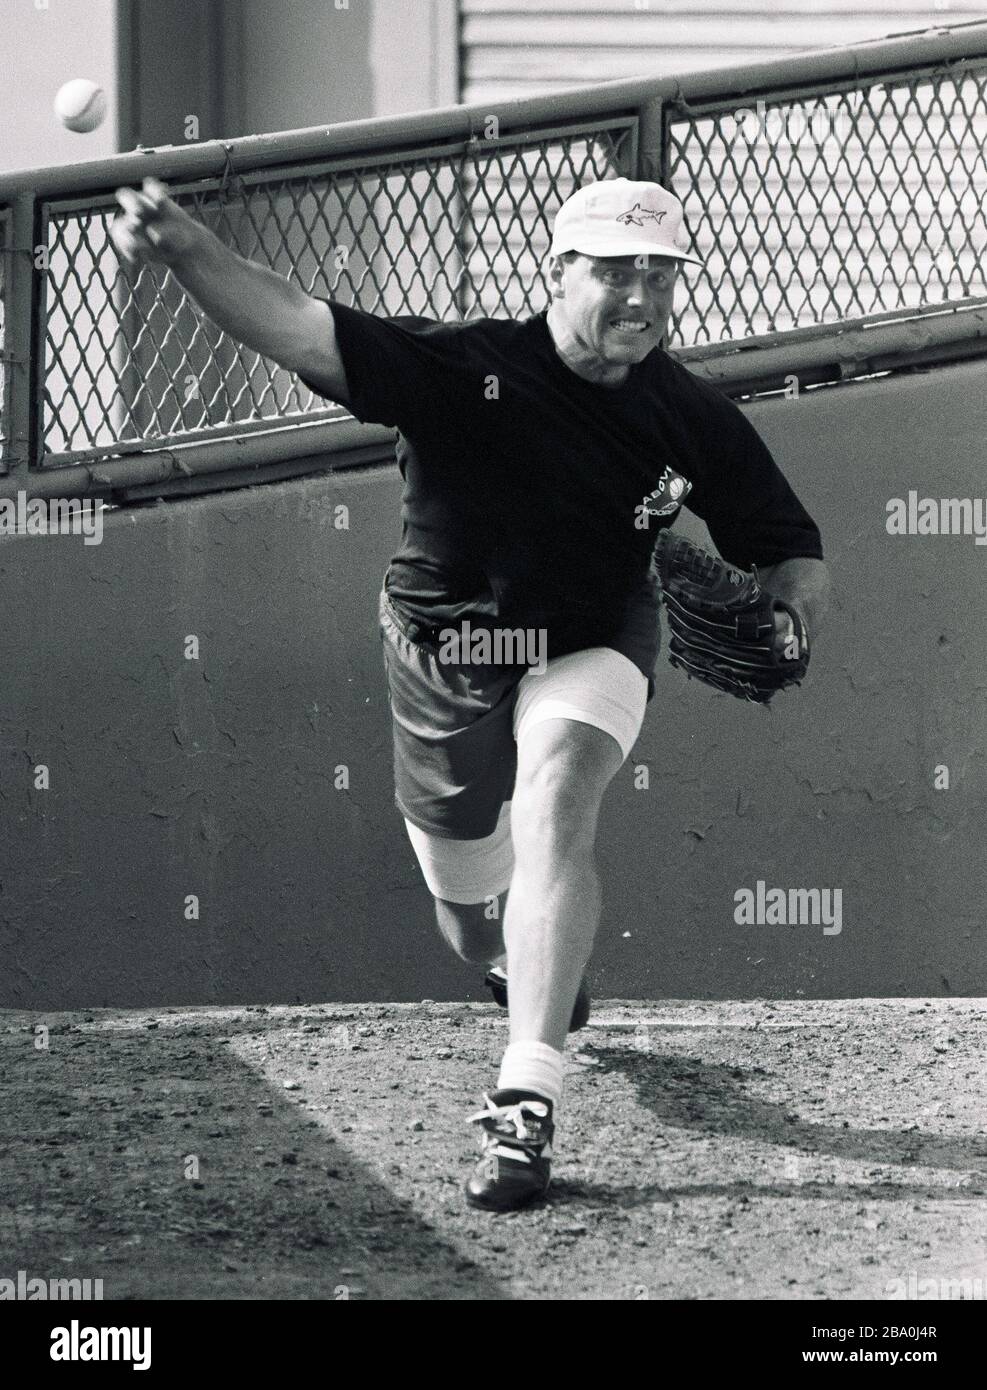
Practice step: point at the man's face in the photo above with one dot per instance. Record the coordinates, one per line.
(616, 307)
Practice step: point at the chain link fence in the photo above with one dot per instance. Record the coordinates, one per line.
(829, 207)
(128, 357)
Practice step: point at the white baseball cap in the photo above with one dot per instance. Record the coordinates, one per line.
(620, 217)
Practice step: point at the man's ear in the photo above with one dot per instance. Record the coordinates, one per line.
(556, 277)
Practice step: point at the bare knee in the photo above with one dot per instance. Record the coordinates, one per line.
(562, 777)
(552, 805)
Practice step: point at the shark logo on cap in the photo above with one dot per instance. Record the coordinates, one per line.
(637, 216)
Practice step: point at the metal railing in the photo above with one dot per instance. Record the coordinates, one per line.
(837, 200)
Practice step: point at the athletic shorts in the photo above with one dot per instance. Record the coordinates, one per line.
(455, 727)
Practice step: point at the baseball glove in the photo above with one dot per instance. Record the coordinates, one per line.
(722, 624)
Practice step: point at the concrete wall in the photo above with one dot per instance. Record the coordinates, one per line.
(245, 67)
(301, 64)
(215, 777)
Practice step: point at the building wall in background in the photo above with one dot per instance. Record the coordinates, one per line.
(415, 55)
(299, 64)
(245, 66)
(514, 48)
(248, 67)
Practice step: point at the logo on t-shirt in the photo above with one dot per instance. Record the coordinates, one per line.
(669, 495)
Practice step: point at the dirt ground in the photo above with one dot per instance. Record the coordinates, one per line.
(797, 1150)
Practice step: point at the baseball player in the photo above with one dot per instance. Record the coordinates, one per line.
(519, 619)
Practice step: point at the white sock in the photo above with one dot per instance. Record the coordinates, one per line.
(499, 962)
(532, 1066)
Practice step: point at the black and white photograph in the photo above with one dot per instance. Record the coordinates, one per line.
(493, 534)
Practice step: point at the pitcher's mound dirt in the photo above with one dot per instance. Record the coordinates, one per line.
(706, 1150)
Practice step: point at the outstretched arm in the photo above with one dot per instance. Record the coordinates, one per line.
(251, 303)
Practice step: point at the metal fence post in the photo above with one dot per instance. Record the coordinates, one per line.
(19, 336)
(651, 161)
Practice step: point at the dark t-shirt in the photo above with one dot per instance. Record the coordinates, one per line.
(525, 486)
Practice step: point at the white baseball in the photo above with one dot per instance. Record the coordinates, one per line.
(80, 105)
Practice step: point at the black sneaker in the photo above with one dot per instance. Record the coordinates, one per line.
(515, 1166)
(496, 981)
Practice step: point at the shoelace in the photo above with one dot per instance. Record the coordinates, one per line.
(512, 1114)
